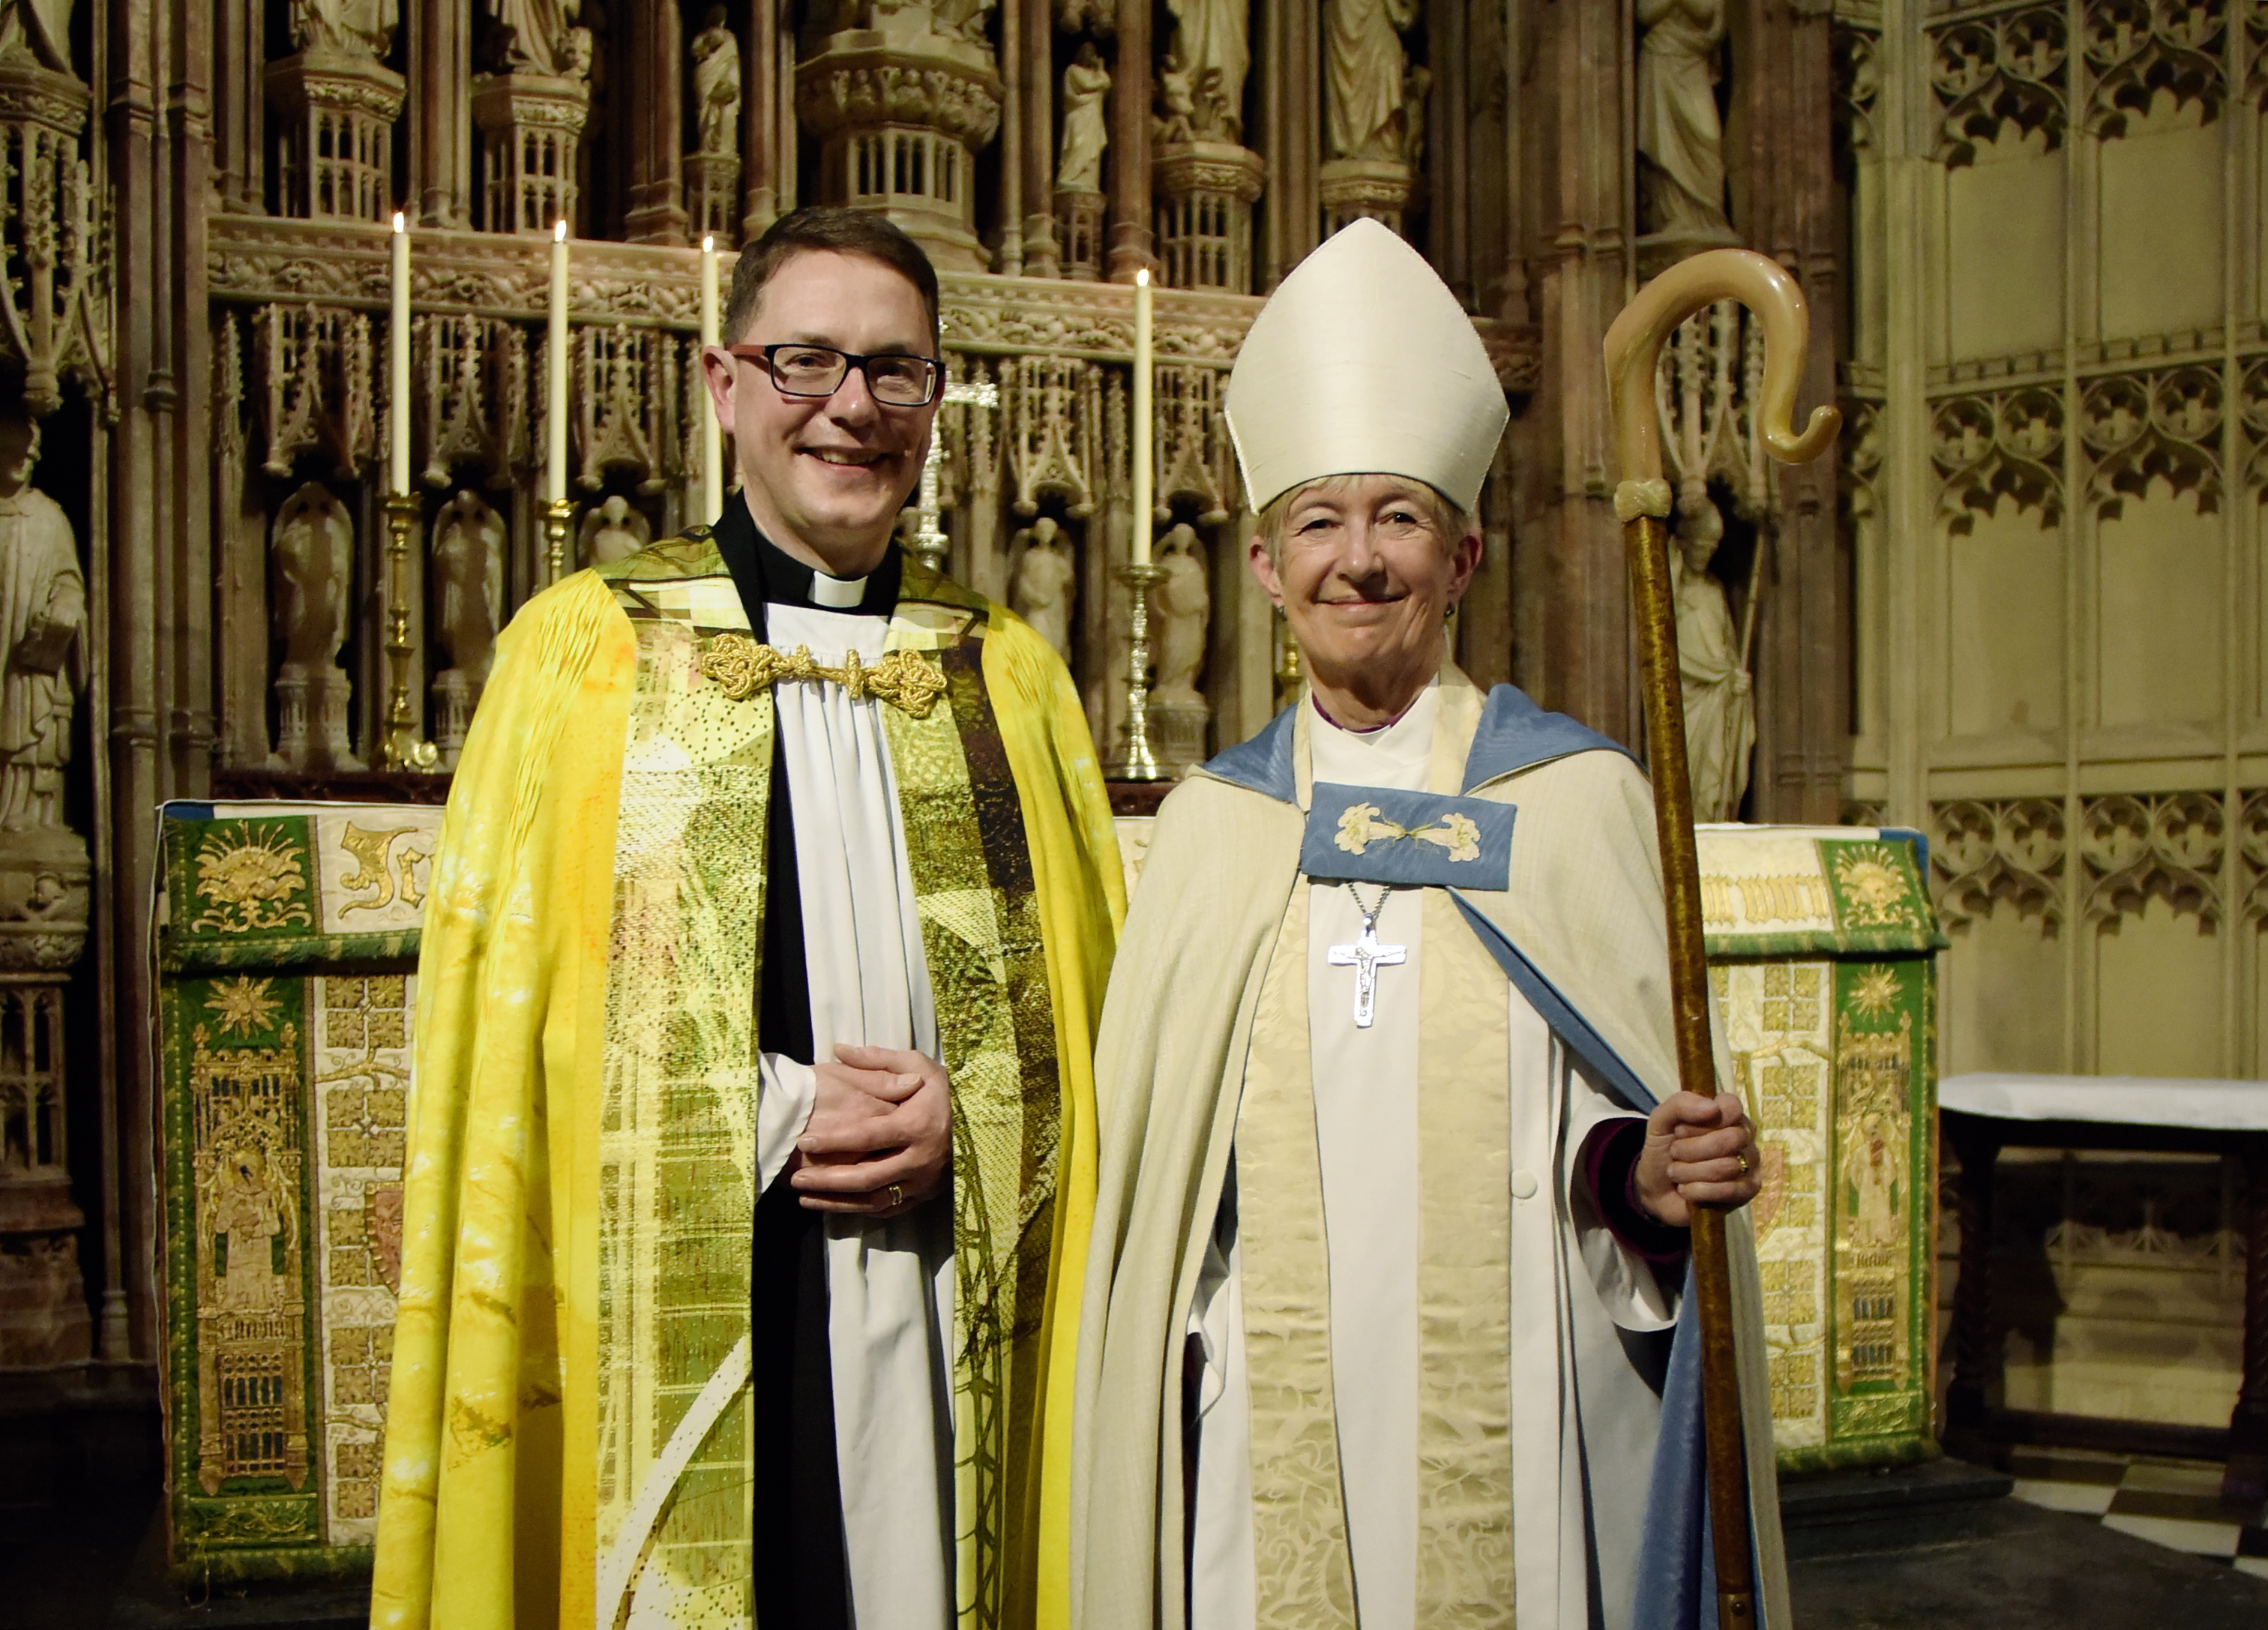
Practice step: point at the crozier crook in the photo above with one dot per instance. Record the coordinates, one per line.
(1633, 349)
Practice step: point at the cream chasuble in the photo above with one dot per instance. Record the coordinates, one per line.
(1463, 1490)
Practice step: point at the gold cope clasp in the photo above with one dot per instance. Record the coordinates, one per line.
(902, 678)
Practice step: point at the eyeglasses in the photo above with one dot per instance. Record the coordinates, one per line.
(819, 371)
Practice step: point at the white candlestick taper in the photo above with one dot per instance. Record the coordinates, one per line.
(712, 434)
(555, 396)
(397, 374)
(1144, 430)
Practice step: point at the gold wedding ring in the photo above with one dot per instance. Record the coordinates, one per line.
(1743, 1159)
(898, 1195)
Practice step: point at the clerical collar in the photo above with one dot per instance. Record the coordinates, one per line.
(1395, 754)
(766, 574)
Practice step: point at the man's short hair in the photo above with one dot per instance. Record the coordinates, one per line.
(829, 229)
(1449, 523)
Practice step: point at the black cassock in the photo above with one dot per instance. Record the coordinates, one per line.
(802, 1578)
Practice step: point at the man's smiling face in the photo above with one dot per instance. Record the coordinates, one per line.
(825, 479)
(1365, 578)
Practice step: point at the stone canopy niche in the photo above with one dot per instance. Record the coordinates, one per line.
(44, 894)
(901, 103)
(530, 109)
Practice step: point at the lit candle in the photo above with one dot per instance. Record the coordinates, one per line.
(712, 435)
(555, 400)
(1143, 428)
(398, 359)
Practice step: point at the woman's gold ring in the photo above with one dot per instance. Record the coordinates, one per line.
(898, 1195)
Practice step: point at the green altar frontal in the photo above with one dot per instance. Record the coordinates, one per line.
(287, 942)
(1821, 955)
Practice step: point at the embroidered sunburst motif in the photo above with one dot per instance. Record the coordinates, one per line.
(1873, 888)
(246, 885)
(244, 1006)
(1876, 994)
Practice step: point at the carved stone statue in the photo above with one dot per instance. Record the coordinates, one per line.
(1179, 98)
(38, 32)
(539, 37)
(467, 568)
(1210, 42)
(467, 583)
(42, 616)
(45, 882)
(962, 19)
(1365, 76)
(1184, 606)
(1045, 588)
(1086, 16)
(613, 532)
(717, 84)
(965, 18)
(1086, 123)
(1416, 86)
(311, 565)
(1720, 713)
(1679, 141)
(342, 27)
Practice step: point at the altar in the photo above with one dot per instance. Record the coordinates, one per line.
(287, 944)
(1821, 944)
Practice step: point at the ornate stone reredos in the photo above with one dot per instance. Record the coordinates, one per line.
(1358, 184)
(319, 78)
(1202, 166)
(44, 881)
(36, 95)
(518, 100)
(900, 72)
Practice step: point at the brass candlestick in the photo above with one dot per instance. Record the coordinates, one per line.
(557, 512)
(400, 749)
(1139, 764)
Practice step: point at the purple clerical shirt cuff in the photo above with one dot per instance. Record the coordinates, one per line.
(1610, 1165)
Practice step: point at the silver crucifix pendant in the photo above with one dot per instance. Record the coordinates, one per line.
(1366, 957)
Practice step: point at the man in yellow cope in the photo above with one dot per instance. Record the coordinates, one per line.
(1388, 1320)
(752, 1150)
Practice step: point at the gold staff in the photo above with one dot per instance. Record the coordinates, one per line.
(1642, 502)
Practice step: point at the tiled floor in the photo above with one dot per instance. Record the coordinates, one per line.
(2169, 1502)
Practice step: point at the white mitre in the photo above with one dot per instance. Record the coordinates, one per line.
(1363, 362)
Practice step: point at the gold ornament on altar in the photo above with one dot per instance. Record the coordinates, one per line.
(902, 678)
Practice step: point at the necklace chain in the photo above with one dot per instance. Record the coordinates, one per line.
(1370, 912)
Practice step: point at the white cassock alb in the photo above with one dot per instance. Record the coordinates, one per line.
(1366, 1127)
(889, 1285)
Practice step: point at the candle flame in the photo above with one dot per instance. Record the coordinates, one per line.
(398, 224)
(559, 232)
(1142, 278)
(709, 245)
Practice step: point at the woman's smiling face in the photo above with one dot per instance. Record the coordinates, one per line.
(1366, 575)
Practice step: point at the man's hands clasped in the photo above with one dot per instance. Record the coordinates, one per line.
(880, 1139)
(1699, 1151)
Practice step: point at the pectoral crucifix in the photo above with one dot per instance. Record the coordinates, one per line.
(1367, 956)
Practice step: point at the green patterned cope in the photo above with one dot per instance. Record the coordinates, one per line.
(678, 1187)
